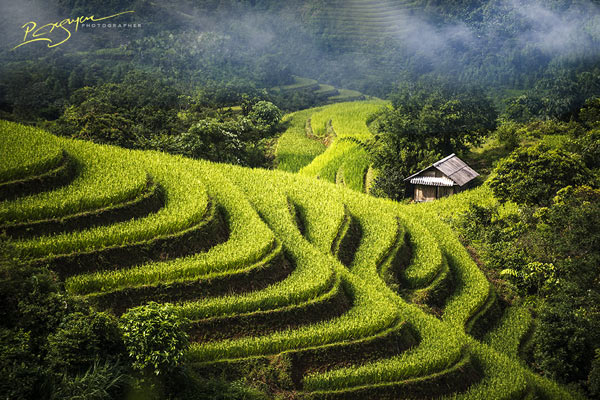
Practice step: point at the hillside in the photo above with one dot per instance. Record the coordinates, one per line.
(345, 296)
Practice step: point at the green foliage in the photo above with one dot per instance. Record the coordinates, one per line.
(19, 365)
(565, 337)
(155, 338)
(141, 106)
(37, 152)
(102, 381)
(439, 116)
(396, 161)
(514, 326)
(83, 338)
(250, 244)
(143, 111)
(258, 208)
(523, 108)
(569, 236)
(508, 135)
(588, 145)
(533, 276)
(534, 175)
(266, 114)
(590, 113)
(294, 148)
(186, 206)
(551, 252)
(193, 387)
(215, 140)
(46, 337)
(92, 189)
(594, 376)
(560, 94)
(428, 121)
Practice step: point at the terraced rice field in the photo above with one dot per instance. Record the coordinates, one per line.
(353, 297)
(326, 93)
(363, 22)
(343, 129)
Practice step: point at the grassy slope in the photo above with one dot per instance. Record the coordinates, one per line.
(306, 216)
(516, 320)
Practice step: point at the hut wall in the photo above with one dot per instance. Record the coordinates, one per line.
(444, 191)
(425, 193)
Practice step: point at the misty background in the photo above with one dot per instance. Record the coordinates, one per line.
(249, 46)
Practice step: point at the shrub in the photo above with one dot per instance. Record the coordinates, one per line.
(154, 337)
(590, 113)
(534, 175)
(19, 366)
(265, 113)
(508, 135)
(81, 339)
(564, 339)
(594, 376)
(100, 382)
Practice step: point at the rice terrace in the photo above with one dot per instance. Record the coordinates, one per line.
(190, 216)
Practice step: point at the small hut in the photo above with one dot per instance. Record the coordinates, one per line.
(448, 176)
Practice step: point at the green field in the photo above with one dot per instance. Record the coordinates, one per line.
(277, 265)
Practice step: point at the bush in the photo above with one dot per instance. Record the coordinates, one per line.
(82, 339)
(565, 337)
(590, 113)
(533, 175)
(189, 386)
(588, 146)
(20, 368)
(594, 376)
(509, 135)
(266, 114)
(154, 338)
(100, 382)
(569, 237)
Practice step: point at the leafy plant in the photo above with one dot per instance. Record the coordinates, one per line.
(154, 337)
(82, 339)
(534, 175)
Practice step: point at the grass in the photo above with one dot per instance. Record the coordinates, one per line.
(348, 119)
(249, 242)
(97, 185)
(299, 84)
(513, 327)
(353, 170)
(326, 165)
(186, 206)
(262, 210)
(294, 149)
(26, 151)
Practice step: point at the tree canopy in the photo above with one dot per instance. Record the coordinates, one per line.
(534, 175)
(428, 120)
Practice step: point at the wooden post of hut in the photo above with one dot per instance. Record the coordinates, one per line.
(448, 176)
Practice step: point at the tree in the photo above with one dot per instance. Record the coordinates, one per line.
(590, 113)
(569, 235)
(140, 107)
(566, 336)
(47, 336)
(265, 114)
(533, 175)
(439, 116)
(426, 122)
